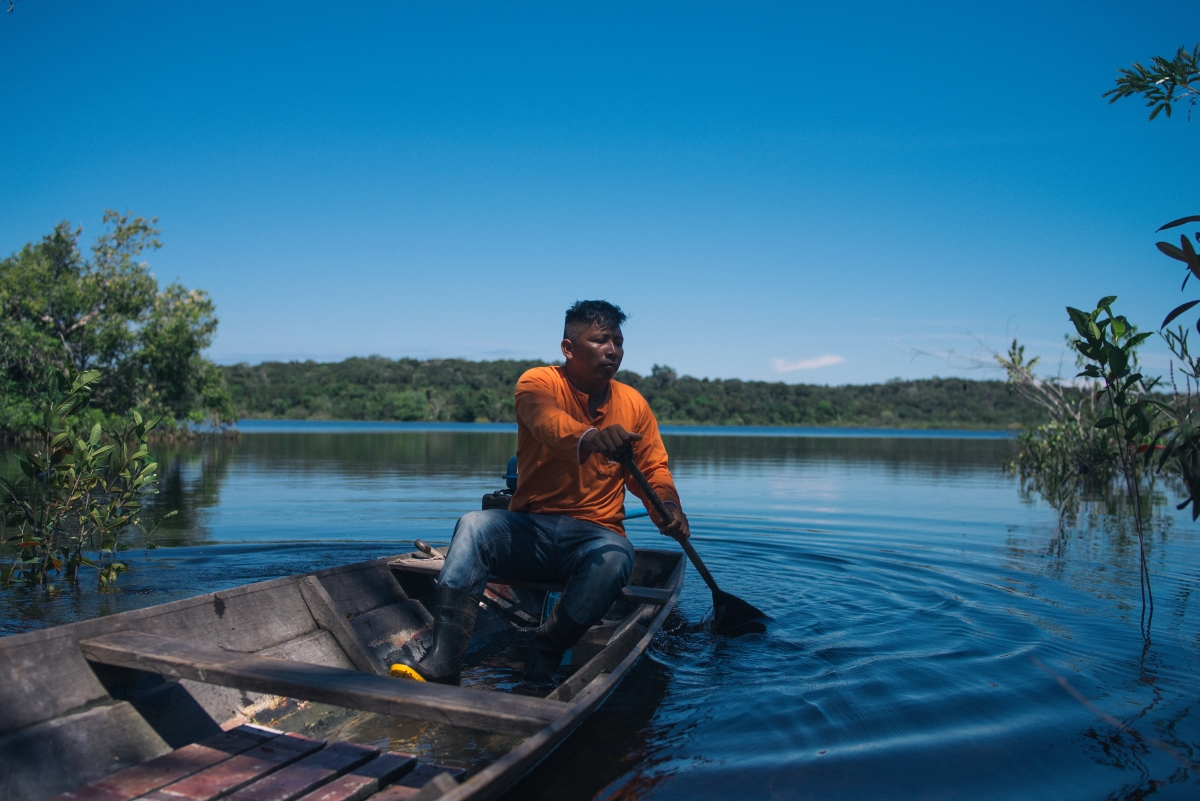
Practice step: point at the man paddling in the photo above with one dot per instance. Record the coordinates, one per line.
(565, 521)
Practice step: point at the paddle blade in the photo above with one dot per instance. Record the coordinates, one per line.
(734, 617)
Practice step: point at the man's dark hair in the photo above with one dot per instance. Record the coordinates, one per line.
(585, 313)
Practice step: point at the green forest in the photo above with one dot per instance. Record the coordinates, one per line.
(376, 388)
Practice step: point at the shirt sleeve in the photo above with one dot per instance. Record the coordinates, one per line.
(650, 455)
(537, 406)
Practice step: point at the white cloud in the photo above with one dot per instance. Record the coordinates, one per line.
(828, 360)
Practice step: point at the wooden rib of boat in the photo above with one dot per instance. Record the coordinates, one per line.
(117, 702)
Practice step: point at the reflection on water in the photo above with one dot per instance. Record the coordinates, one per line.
(930, 624)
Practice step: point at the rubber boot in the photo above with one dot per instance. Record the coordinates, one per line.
(453, 621)
(555, 636)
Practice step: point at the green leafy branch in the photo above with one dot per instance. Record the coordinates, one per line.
(1108, 345)
(1166, 82)
(80, 493)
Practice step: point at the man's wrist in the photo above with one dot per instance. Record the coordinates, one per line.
(579, 445)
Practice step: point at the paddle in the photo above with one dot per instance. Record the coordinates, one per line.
(731, 615)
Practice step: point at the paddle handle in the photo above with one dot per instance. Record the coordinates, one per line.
(665, 513)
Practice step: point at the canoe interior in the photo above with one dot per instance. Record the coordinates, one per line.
(67, 719)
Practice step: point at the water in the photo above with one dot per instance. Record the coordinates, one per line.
(933, 637)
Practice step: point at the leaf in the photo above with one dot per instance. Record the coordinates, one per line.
(1178, 310)
(94, 436)
(1106, 301)
(1171, 250)
(1106, 422)
(1189, 252)
(88, 377)
(1083, 323)
(1118, 327)
(1179, 222)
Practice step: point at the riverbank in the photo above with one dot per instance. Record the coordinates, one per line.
(269, 426)
(457, 390)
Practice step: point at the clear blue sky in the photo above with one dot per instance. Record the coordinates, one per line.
(798, 192)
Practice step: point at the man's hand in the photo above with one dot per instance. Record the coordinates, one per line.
(609, 442)
(679, 529)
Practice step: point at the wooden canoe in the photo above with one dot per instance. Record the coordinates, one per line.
(107, 702)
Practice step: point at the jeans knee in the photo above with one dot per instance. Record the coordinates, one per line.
(610, 568)
(469, 531)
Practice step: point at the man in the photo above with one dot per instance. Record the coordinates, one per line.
(564, 523)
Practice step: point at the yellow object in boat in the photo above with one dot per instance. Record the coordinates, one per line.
(404, 672)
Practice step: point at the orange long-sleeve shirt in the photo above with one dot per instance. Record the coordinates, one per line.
(555, 476)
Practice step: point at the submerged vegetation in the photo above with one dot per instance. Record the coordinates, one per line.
(376, 388)
(82, 489)
(1122, 430)
(62, 312)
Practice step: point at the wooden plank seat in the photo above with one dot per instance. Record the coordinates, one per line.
(454, 706)
(433, 567)
(252, 763)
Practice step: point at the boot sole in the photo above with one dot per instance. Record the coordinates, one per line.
(405, 672)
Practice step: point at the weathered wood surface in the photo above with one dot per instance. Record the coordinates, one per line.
(603, 662)
(238, 771)
(161, 771)
(248, 618)
(385, 630)
(70, 750)
(635, 594)
(646, 595)
(317, 648)
(426, 782)
(252, 763)
(454, 706)
(330, 618)
(413, 564)
(307, 774)
(364, 781)
(361, 587)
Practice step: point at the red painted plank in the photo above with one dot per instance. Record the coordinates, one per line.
(307, 774)
(363, 781)
(236, 772)
(411, 784)
(180, 763)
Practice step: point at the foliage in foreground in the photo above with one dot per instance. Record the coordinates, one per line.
(1135, 433)
(62, 312)
(458, 390)
(80, 493)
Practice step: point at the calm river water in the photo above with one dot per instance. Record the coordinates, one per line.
(933, 638)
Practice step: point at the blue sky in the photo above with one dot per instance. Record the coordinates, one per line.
(798, 192)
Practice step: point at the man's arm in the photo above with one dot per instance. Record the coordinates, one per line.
(651, 458)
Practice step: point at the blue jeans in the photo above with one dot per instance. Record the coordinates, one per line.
(498, 545)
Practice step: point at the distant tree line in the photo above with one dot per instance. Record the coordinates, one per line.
(376, 388)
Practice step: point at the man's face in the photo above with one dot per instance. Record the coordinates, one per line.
(594, 357)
